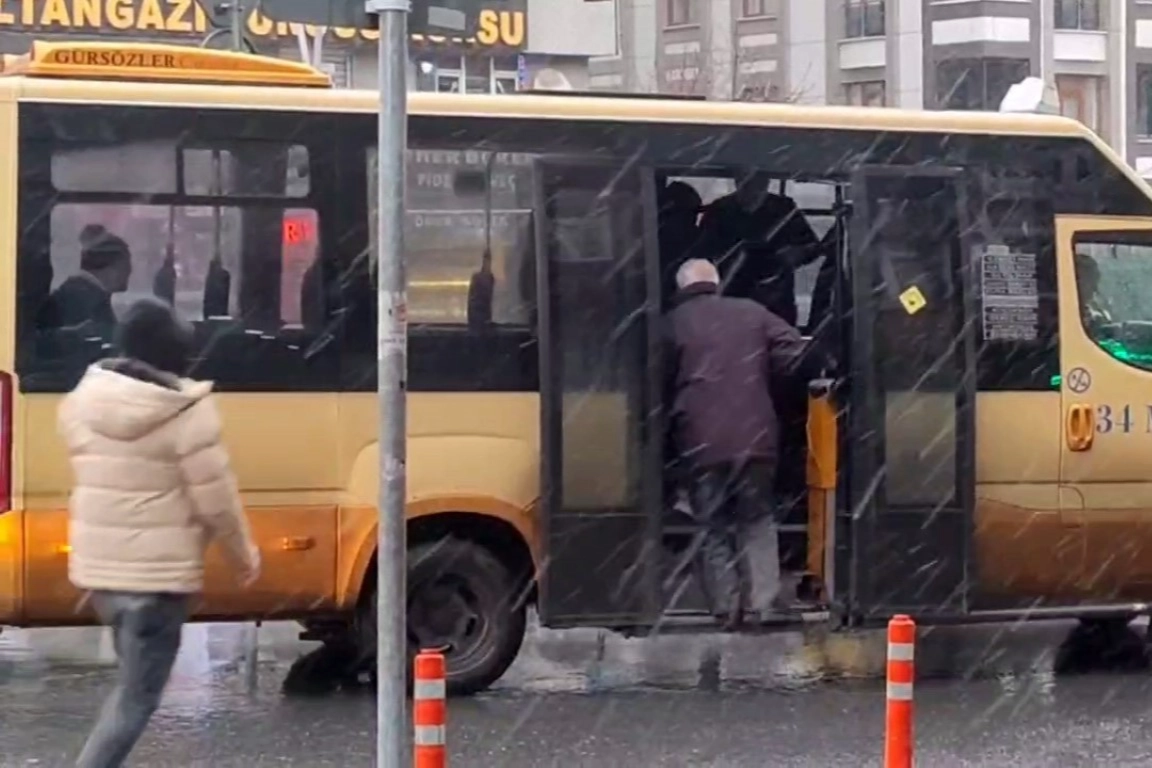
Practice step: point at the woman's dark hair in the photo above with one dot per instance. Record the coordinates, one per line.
(151, 332)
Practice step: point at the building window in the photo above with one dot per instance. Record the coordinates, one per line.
(681, 12)
(504, 74)
(1080, 99)
(977, 84)
(1077, 14)
(465, 74)
(505, 82)
(867, 94)
(1144, 99)
(1113, 281)
(753, 8)
(864, 18)
(449, 80)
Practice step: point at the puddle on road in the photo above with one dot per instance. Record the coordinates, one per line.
(591, 661)
(577, 661)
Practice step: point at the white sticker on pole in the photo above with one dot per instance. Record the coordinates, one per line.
(393, 469)
(394, 331)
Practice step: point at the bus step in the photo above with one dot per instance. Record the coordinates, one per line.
(685, 623)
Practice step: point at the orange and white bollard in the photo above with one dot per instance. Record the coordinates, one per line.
(429, 711)
(901, 672)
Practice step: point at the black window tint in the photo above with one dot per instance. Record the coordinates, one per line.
(1015, 266)
(235, 247)
(93, 163)
(246, 169)
(90, 165)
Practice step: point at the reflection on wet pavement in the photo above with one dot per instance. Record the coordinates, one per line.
(585, 698)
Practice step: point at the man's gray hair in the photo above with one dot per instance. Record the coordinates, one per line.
(697, 271)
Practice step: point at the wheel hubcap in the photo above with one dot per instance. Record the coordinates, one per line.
(444, 614)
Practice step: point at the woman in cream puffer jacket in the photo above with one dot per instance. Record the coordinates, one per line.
(152, 488)
(152, 482)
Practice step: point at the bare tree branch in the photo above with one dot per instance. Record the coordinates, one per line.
(691, 74)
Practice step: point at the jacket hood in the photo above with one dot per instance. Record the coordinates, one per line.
(127, 399)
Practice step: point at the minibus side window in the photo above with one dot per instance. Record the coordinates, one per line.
(469, 246)
(468, 235)
(217, 214)
(1113, 286)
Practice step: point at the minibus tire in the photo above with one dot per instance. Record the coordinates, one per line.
(505, 617)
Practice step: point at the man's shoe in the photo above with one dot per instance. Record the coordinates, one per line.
(782, 604)
(731, 622)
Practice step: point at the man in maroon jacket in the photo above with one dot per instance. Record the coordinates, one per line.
(723, 352)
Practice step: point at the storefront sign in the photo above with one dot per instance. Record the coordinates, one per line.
(501, 28)
(433, 174)
(186, 17)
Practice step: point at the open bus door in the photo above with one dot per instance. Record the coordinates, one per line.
(910, 387)
(598, 300)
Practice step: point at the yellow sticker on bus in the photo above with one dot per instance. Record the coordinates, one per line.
(913, 300)
(155, 61)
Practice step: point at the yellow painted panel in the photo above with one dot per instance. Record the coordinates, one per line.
(298, 575)
(279, 443)
(283, 449)
(49, 596)
(1018, 438)
(460, 444)
(1109, 484)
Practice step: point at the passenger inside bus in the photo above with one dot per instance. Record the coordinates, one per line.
(164, 282)
(761, 240)
(481, 293)
(217, 288)
(1094, 309)
(312, 300)
(679, 208)
(758, 238)
(85, 298)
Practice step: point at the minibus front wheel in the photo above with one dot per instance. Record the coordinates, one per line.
(462, 601)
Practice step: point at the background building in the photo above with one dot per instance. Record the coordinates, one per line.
(517, 40)
(916, 54)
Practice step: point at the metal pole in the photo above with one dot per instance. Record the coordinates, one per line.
(237, 22)
(392, 733)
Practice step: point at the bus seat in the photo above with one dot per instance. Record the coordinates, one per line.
(217, 290)
(312, 302)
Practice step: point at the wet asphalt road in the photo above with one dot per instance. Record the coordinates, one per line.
(992, 700)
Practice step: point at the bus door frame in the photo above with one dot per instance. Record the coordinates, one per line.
(601, 566)
(888, 561)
